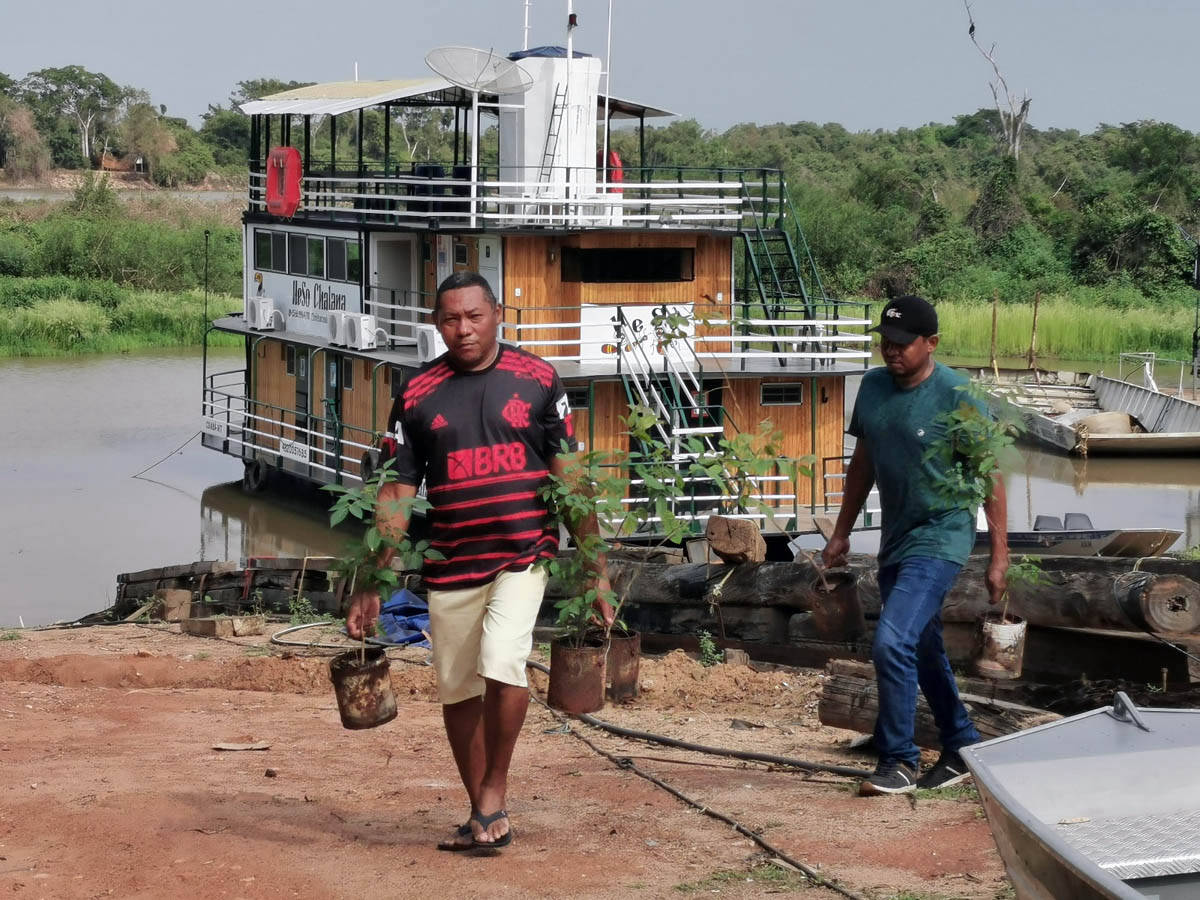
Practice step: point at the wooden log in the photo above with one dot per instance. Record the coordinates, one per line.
(1080, 592)
(850, 699)
(1166, 603)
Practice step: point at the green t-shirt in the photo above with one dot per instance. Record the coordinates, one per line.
(899, 426)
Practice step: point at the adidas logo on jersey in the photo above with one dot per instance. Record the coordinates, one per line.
(439, 421)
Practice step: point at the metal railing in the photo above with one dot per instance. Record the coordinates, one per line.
(329, 449)
(790, 337)
(833, 480)
(650, 197)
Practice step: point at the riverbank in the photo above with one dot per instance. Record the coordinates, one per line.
(80, 317)
(105, 727)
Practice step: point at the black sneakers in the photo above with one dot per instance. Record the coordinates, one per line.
(891, 777)
(949, 769)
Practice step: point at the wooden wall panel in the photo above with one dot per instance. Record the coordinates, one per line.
(544, 299)
(608, 425)
(273, 387)
(533, 264)
(742, 400)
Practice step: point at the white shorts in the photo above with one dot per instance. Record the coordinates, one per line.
(484, 632)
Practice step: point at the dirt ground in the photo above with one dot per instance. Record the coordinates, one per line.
(111, 786)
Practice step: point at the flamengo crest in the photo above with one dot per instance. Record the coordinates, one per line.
(516, 412)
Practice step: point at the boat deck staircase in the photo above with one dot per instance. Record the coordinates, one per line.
(553, 130)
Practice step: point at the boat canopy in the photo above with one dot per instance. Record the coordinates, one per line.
(336, 97)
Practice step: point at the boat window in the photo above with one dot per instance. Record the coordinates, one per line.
(347, 374)
(278, 251)
(262, 250)
(335, 257)
(625, 264)
(291, 359)
(316, 257)
(297, 254)
(577, 398)
(782, 394)
(353, 262)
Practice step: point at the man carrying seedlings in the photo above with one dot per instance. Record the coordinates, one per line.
(899, 417)
(483, 426)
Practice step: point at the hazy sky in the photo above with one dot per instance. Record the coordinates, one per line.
(866, 64)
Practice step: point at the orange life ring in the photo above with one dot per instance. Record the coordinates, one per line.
(616, 173)
(283, 181)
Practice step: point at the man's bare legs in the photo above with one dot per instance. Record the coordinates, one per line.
(483, 732)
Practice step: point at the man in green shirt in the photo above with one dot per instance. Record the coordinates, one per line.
(925, 541)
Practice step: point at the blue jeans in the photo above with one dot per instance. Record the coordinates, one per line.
(908, 652)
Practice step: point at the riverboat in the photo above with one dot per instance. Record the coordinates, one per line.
(688, 291)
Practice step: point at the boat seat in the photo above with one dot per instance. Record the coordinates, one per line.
(1150, 846)
(1077, 522)
(1047, 523)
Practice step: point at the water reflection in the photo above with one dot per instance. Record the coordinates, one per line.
(290, 520)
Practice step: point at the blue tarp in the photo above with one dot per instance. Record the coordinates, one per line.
(547, 51)
(403, 617)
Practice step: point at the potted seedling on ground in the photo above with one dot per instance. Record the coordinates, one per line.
(360, 676)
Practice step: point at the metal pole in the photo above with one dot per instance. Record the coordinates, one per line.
(525, 43)
(607, 93)
(474, 152)
(204, 351)
(567, 100)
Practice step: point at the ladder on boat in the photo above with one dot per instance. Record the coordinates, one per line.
(553, 130)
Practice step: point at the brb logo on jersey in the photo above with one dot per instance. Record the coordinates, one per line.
(516, 412)
(481, 461)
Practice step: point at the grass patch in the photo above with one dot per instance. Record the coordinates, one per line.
(962, 792)
(780, 880)
(258, 650)
(10, 636)
(116, 321)
(1067, 329)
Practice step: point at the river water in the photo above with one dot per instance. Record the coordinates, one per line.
(73, 517)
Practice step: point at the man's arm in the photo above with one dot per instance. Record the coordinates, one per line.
(860, 478)
(995, 509)
(391, 518)
(559, 465)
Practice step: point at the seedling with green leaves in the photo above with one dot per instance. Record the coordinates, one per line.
(598, 484)
(1025, 573)
(360, 563)
(973, 445)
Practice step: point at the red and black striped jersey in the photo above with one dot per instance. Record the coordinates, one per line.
(482, 443)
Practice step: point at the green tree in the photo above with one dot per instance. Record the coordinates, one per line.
(257, 88)
(23, 153)
(227, 133)
(142, 132)
(87, 99)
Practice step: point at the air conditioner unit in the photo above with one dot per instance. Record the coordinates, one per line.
(339, 328)
(362, 332)
(429, 343)
(260, 314)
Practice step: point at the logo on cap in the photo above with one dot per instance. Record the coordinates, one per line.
(894, 313)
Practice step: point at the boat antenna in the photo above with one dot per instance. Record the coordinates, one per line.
(607, 92)
(525, 43)
(571, 23)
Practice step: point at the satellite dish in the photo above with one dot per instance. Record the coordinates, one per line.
(478, 71)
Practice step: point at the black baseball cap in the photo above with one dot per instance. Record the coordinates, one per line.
(905, 319)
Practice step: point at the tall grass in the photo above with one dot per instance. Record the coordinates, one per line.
(61, 325)
(1066, 329)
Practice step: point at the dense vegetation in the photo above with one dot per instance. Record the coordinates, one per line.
(97, 275)
(1091, 222)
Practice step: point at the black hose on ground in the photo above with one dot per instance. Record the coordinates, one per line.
(750, 756)
(628, 765)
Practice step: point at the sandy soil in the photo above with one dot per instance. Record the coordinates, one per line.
(111, 786)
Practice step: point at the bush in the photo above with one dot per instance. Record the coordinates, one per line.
(25, 292)
(62, 323)
(936, 258)
(14, 254)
